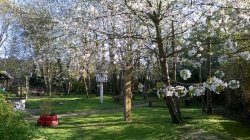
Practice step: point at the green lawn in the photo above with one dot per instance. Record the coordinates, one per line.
(147, 123)
(76, 103)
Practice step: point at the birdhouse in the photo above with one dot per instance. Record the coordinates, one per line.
(101, 77)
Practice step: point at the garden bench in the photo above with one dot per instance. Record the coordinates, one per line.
(36, 91)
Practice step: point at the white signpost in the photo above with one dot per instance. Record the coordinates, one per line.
(101, 78)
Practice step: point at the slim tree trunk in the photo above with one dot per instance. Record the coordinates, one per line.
(89, 83)
(63, 85)
(170, 102)
(209, 96)
(175, 55)
(26, 85)
(86, 87)
(176, 98)
(202, 96)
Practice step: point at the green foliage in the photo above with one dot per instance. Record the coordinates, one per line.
(13, 126)
(78, 87)
(159, 85)
(1, 91)
(37, 82)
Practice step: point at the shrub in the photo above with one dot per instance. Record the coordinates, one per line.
(13, 125)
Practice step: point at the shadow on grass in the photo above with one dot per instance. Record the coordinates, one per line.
(122, 130)
(236, 129)
(147, 123)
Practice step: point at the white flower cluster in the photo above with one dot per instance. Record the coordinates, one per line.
(185, 74)
(223, 59)
(196, 64)
(172, 91)
(230, 46)
(196, 90)
(192, 52)
(140, 87)
(233, 84)
(219, 73)
(215, 84)
(175, 91)
(199, 91)
(245, 55)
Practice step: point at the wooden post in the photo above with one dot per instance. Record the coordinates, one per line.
(27, 87)
(101, 92)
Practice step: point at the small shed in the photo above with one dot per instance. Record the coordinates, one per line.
(5, 80)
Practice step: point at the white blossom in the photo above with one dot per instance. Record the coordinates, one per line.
(229, 46)
(245, 55)
(215, 84)
(219, 73)
(140, 87)
(199, 91)
(196, 64)
(198, 55)
(192, 52)
(201, 48)
(233, 84)
(178, 48)
(198, 43)
(223, 59)
(185, 74)
(169, 91)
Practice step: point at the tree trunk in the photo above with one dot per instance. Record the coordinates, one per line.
(176, 99)
(89, 83)
(63, 85)
(86, 87)
(209, 97)
(120, 83)
(128, 93)
(175, 55)
(170, 102)
(26, 85)
(209, 102)
(202, 96)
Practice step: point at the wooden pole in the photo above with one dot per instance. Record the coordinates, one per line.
(27, 87)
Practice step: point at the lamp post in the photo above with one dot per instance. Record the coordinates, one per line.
(101, 78)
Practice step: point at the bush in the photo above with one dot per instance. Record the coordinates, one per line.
(13, 125)
(78, 87)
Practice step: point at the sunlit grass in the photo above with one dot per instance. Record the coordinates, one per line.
(149, 124)
(68, 104)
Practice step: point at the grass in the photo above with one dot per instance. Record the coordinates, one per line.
(75, 103)
(147, 123)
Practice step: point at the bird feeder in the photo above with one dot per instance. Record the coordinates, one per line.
(101, 78)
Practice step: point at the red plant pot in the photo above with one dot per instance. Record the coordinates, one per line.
(50, 120)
